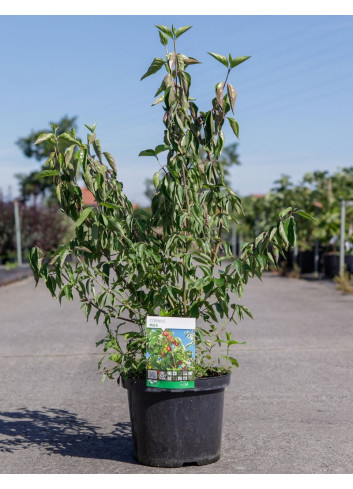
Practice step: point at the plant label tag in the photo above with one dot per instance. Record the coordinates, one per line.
(170, 352)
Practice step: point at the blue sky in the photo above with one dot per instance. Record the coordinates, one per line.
(294, 104)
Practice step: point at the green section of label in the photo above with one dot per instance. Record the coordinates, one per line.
(167, 384)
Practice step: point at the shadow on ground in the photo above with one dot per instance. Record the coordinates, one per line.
(61, 432)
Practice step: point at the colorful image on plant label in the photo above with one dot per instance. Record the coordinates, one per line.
(170, 352)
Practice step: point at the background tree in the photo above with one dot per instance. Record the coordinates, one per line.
(327, 192)
(320, 193)
(150, 189)
(32, 185)
(229, 158)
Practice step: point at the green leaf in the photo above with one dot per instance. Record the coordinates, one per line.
(69, 138)
(67, 291)
(160, 148)
(291, 231)
(44, 137)
(51, 285)
(111, 161)
(236, 61)
(237, 265)
(247, 312)
(285, 212)
(219, 57)
(233, 361)
(58, 192)
(53, 260)
(282, 232)
(81, 158)
(48, 173)
(91, 128)
(262, 259)
(147, 152)
(109, 205)
(219, 282)
(158, 100)
(161, 88)
(63, 254)
(306, 216)
(155, 66)
(114, 224)
(33, 258)
(220, 144)
(97, 149)
(69, 153)
(180, 193)
(83, 216)
(163, 38)
(155, 179)
(181, 30)
(166, 30)
(211, 311)
(234, 125)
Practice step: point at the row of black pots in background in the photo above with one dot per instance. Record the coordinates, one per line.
(328, 264)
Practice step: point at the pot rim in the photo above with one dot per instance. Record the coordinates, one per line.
(214, 382)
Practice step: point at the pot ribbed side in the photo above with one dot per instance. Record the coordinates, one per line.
(174, 427)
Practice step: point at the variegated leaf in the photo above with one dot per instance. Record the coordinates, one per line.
(232, 95)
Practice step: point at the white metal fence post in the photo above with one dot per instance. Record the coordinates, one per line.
(342, 237)
(18, 233)
(343, 221)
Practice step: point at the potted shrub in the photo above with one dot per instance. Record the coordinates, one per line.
(172, 262)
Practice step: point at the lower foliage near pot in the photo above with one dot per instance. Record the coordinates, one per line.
(174, 427)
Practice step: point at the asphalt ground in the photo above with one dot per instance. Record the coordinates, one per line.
(288, 410)
(10, 275)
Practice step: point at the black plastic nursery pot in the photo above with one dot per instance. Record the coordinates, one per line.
(331, 264)
(306, 261)
(348, 260)
(174, 427)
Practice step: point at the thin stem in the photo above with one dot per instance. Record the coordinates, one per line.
(186, 189)
(225, 81)
(160, 164)
(184, 288)
(218, 245)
